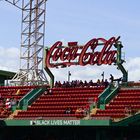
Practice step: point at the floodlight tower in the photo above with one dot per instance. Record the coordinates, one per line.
(32, 42)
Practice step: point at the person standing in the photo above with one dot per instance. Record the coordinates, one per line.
(111, 78)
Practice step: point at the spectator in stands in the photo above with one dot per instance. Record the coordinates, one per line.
(91, 83)
(93, 111)
(18, 92)
(87, 110)
(8, 104)
(95, 102)
(59, 84)
(68, 110)
(80, 83)
(79, 111)
(56, 84)
(67, 84)
(13, 102)
(46, 92)
(85, 83)
(106, 83)
(128, 110)
(111, 78)
(98, 82)
(73, 83)
(50, 92)
(64, 84)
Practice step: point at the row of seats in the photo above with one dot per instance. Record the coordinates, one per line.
(113, 115)
(125, 102)
(9, 93)
(121, 110)
(129, 94)
(55, 105)
(69, 99)
(70, 95)
(129, 91)
(113, 106)
(130, 98)
(46, 115)
(63, 107)
(79, 88)
(60, 111)
(79, 91)
(60, 103)
(117, 108)
(16, 87)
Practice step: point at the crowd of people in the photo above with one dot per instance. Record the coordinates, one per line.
(80, 83)
(6, 105)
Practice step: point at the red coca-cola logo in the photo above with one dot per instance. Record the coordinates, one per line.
(83, 55)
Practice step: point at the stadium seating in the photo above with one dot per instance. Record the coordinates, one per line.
(11, 92)
(55, 105)
(117, 107)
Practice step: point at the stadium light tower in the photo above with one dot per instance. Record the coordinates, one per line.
(32, 42)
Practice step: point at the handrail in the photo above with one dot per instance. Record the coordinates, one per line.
(111, 95)
(128, 120)
(107, 95)
(29, 98)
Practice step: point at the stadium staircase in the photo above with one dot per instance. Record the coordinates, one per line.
(116, 108)
(54, 105)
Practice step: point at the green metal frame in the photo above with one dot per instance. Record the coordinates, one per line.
(111, 95)
(134, 119)
(30, 97)
(48, 70)
(119, 62)
(107, 95)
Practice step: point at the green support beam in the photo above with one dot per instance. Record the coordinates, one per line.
(51, 76)
(119, 62)
(30, 97)
(107, 95)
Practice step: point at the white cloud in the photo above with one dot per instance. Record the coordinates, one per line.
(94, 72)
(133, 67)
(85, 73)
(9, 58)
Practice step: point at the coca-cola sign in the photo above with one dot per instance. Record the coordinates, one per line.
(58, 55)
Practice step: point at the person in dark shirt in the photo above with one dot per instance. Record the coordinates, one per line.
(68, 110)
(111, 78)
(106, 83)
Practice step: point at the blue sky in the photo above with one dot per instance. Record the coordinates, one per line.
(77, 20)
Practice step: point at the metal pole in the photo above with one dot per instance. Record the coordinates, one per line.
(103, 76)
(69, 74)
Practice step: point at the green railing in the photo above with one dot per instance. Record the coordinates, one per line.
(29, 98)
(111, 95)
(134, 119)
(101, 102)
(108, 94)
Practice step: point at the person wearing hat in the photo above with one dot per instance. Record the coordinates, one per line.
(8, 104)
